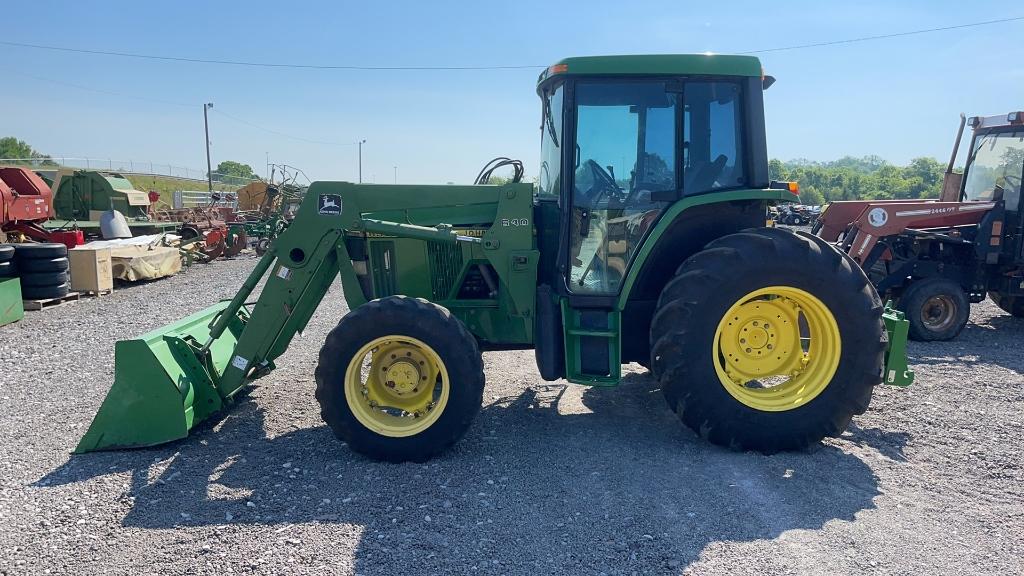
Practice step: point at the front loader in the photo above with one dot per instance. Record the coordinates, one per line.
(644, 241)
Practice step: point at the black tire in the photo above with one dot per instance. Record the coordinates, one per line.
(45, 250)
(937, 309)
(43, 264)
(42, 279)
(8, 269)
(6, 252)
(705, 287)
(44, 292)
(1009, 304)
(415, 318)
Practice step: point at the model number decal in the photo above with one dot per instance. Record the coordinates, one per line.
(515, 222)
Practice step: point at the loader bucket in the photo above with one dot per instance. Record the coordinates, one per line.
(162, 387)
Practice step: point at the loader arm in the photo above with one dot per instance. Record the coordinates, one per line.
(169, 380)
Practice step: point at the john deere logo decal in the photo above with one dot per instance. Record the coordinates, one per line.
(330, 204)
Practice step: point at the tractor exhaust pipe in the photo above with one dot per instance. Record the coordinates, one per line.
(951, 181)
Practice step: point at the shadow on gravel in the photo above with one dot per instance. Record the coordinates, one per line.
(558, 479)
(996, 340)
(889, 444)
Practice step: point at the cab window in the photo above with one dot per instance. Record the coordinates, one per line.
(712, 137)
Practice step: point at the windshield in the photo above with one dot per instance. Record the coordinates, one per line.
(550, 146)
(995, 167)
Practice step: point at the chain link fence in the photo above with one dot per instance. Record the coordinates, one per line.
(142, 168)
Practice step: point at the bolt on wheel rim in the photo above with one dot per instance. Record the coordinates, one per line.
(396, 386)
(776, 348)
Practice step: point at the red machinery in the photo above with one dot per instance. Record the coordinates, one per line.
(860, 224)
(25, 203)
(935, 258)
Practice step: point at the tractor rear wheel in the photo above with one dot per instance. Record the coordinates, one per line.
(399, 379)
(936, 308)
(1010, 304)
(768, 340)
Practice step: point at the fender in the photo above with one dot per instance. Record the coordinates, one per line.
(673, 212)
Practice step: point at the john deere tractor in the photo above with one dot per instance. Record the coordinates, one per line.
(644, 241)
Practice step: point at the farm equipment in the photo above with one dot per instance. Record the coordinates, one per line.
(204, 228)
(80, 194)
(80, 197)
(265, 209)
(796, 215)
(935, 258)
(25, 202)
(759, 338)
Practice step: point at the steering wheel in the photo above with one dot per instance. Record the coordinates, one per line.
(603, 183)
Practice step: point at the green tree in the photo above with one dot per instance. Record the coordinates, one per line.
(231, 170)
(869, 177)
(12, 148)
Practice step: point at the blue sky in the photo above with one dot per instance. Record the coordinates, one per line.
(898, 98)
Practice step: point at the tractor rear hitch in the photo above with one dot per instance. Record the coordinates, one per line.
(897, 371)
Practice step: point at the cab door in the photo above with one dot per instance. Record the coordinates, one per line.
(623, 175)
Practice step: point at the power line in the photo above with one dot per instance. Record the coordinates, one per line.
(98, 90)
(883, 36)
(256, 64)
(173, 103)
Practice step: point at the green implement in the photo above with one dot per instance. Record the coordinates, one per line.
(897, 372)
(163, 383)
(644, 241)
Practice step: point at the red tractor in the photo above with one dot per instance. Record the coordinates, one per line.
(935, 258)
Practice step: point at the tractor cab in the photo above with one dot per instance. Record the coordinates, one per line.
(622, 140)
(995, 166)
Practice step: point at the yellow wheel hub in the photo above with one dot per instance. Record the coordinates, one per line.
(396, 386)
(777, 348)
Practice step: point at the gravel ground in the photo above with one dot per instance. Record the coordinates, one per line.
(551, 478)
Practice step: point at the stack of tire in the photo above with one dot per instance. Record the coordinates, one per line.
(7, 268)
(43, 269)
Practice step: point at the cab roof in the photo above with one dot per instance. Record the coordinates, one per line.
(653, 64)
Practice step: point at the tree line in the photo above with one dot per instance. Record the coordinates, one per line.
(864, 178)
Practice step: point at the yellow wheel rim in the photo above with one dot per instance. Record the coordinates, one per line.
(776, 348)
(396, 386)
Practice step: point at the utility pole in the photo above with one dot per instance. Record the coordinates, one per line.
(206, 127)
(361, 142)
(396, 174)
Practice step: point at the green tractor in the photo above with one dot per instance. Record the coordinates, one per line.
(644, 241)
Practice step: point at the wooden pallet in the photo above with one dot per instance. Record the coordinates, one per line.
(50, 302)
(95, 293)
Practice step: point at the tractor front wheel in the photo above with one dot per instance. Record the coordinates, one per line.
(936, 308)
(399, 379)
(768, 340)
